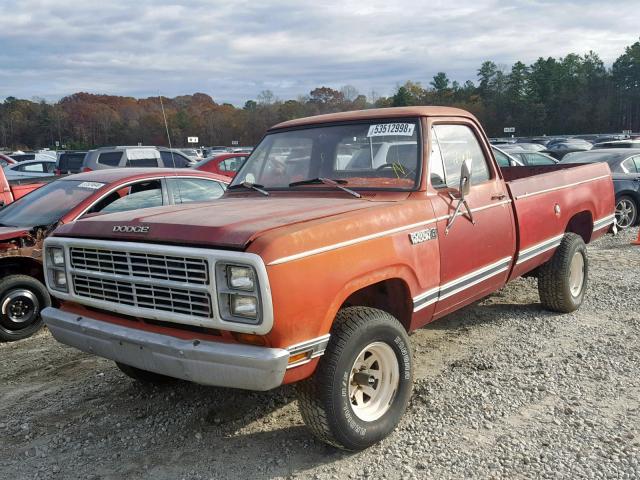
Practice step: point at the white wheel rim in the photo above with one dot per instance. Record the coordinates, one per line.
(371, 399)
(576, 274)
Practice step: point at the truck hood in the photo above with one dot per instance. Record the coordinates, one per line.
(232, 222)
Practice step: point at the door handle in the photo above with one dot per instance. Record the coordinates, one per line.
(498, 196)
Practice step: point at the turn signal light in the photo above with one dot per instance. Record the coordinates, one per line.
(251, 339)
(298, 357)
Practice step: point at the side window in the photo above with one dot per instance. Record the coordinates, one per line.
(186, 190)
(111, 159)
(636, 162)
(457, 144)
(232, 164)
(34, 167)
(143, 162)
(139, 195)
(537, 159)
(630, 165)
(501, 158)
(170, 159)
(436, 164)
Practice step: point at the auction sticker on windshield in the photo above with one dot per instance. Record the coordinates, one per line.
(383, 129)
(91, 185)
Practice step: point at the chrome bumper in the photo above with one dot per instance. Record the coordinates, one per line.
(208, 363)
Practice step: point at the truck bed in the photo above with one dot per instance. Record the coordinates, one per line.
(547, 199)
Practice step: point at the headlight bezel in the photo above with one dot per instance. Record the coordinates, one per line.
(54, 268)
(227, 293)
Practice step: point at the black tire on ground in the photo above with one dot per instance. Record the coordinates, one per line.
(559, 290)
(144, 376)
(626, 212)
(21, 300)
(325, 399)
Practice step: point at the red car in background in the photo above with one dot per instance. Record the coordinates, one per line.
(226, 164)
(28, 221)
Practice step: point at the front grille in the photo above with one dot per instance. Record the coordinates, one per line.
(176, 300)
(141, 265)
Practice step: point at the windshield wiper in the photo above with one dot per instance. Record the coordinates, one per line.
(253, 186)
(327, 181)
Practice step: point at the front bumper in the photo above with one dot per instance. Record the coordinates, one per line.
(208, 363)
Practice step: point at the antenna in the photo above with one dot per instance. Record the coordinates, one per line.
(166, 126)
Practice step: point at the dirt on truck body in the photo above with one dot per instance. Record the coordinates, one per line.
(339, 235)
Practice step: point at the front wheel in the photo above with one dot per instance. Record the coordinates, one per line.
(363, 383)
(21, 299)
(562, 280)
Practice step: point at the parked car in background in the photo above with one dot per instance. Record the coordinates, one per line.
(532, 158)
(566, 144)
(23, 157)
(242, 149)
(504, 159)
(531, 147)
(70, 162)
(625, 166)
(618, 144)
(10, 191)
(26, 223)
(125, 156)
(191, 154)
(31, 169)
(6, 160)
(226, 164)
(210, 151)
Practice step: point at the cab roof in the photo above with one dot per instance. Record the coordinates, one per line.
(374, 113)
(110, 175)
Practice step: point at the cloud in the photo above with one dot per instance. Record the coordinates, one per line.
(233, 50)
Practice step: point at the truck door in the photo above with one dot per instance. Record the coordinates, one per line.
(475, 256)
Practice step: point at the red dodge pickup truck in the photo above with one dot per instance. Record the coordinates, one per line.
(339, 235)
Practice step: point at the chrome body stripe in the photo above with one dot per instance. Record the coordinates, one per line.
(525, 195)
(603, 222)
(459, 284)
(373, 236)
(538, 249)
(315, 347)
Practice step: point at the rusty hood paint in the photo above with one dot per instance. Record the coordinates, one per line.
(231, 222)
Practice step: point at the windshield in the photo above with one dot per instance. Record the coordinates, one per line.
(380, 154)
(47, 204)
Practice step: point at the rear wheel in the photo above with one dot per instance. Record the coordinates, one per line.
(363, 382)
(562, 281)
(21, 299)
(626, 212)
(144, 376)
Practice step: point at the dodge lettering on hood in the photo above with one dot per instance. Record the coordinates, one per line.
(340, 234)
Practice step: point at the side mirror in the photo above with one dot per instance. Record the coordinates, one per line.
(465, 188)
(465, 178)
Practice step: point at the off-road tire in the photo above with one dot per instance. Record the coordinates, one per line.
(145, 376)
(9, 331)
(554, 276)
(323, 399)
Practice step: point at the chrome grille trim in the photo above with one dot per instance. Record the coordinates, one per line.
(143, 265)
(144, 280)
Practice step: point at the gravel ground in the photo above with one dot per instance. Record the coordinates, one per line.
(503, 390)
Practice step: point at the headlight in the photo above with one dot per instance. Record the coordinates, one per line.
(243, 306)
(60, 278)
(57, 256)
(240, 277)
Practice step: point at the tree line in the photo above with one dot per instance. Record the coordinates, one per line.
(570, 95)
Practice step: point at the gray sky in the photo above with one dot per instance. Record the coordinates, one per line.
(232, 50)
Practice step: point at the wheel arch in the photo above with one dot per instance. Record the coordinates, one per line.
(21, 266)
(581, 223)
(391, 295)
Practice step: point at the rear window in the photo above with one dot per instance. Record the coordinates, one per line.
(173, 159)
(71, 162)
(111, 159)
